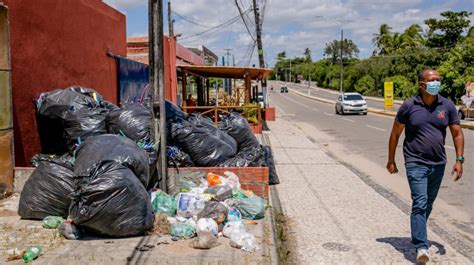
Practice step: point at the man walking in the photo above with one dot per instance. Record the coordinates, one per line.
(425, 118)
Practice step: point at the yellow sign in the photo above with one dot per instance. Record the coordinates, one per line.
(388, 95)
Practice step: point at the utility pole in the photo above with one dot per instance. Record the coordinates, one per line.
(341, 82)
(261, 61)
(170, 21)
(157, 83)
(290, 70)
(227, 80)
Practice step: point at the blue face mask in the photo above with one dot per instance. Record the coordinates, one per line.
(433, 87)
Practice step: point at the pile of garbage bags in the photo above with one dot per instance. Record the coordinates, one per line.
(213, 207)
(100, 168)
(195, 141)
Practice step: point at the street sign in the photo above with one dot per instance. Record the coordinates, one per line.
(388, 95)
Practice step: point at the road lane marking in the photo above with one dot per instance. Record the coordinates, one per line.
(306, 106)
(329, 114)
(449, 147)
(376, 128)
(346, 119)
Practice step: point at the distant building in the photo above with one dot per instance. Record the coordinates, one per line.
(210, 58)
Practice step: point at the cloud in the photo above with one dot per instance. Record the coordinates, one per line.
(292, 26)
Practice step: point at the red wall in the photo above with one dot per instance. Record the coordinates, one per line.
(56, 44)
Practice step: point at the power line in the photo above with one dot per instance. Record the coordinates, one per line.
(243, 19)
(220, 26)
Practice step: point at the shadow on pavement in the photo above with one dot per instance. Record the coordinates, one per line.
(404, 246)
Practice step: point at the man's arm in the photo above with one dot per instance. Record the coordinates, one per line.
(397, 130)
(458, 139)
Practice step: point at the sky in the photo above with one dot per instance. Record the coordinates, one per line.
(288, 25)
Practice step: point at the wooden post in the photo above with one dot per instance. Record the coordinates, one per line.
(157, 81)
(248, 87)
(208, 85)
(200, 91)
(183, 87)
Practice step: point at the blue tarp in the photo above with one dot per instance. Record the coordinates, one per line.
(133, 78)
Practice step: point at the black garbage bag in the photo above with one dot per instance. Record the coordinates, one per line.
(134, 121)
(273, 179)
(204, 148)
(57, 103)
(178, 158)
(173, 112)
(48, 190)
(250, 157)
(206, 123)
(111, 202)
(51, 109)
(237, 126)
(110, 147)
(82, 124)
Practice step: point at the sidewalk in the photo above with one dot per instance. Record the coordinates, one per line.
(333, 216)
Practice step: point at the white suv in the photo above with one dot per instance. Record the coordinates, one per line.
(351, 103)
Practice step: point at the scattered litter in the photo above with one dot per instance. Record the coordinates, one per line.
(214, 210)
(183, 231)
(209, 225)
(69, 230)
(221, 192)
(252, 208)
(190, 204)
(161, 225)
(233, 227)
(52, 222)
(163, 203)
(109, 242)
(31, 254)
(244, 241)
(204, 240)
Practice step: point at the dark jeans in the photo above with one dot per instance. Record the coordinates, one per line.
(424, 181)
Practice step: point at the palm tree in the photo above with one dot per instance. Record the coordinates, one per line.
(383, 40)
(412, 37)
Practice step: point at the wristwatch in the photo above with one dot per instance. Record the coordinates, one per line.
(460, 159)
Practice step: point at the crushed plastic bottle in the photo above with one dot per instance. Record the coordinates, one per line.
(52, 222)
(31, 253)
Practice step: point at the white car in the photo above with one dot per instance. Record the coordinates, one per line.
(351, 103)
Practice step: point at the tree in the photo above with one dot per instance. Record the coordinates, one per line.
(333, 50)
(412, 37)
(447, 32)
(365, 85)
(383, 40)
(402, 87)
(307, 55)
(281, 56)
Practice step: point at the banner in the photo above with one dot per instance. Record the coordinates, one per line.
(388, 95)
(133, 81)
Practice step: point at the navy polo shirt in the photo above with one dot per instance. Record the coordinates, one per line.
(425, 129)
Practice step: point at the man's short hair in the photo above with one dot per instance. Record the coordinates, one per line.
(422, 74)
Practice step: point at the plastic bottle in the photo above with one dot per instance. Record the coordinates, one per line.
(31, 253)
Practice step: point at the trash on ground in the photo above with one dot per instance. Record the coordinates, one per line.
(209, 225)
(111, 202)
(47, 191)
(163, 203)
(215, 210)
(244, 241)
(183, 231)
(31, 254)
(252, 208)
(204, 240)
(190, 204)
(69, 230)
(52, 222)
(161, 225)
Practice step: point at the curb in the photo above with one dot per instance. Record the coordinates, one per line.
(371, 110)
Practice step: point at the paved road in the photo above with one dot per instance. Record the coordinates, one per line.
(365, 137)
(326, 94)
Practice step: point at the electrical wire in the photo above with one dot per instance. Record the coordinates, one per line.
(243, 19)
